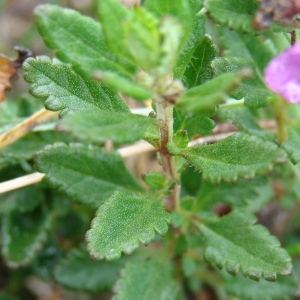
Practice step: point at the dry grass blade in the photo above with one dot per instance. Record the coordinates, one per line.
(26, 126)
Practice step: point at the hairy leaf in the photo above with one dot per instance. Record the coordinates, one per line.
(193, 123)
(205, 97)
(87, 174)
(78, 40)
(245, 120)
(248, 195)
(100, 125)
(245, 246)
(79, 272)
(247, 46)
(292, 144)
(65, 90)
(113, 15)
(237, 14)
(23, 235)
(239, 155)
(194, 39)
(253, 89)
(147, 281)
(199, 69)
(123, 221)
(243, 288)
(180, 9)
(24, 148)
(127, 86)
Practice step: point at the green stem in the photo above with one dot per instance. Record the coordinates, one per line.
(164, 112)
(281, 107)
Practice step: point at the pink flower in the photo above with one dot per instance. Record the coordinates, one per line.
(282, 74)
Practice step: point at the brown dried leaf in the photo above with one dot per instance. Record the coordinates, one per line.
(9, 67)
(7, 70)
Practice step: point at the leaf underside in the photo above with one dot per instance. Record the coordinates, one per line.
(245, 246)
(123, 221)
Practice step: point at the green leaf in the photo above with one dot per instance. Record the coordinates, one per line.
(248, 195)
(79, 272)
(123, 221)
(247, 46)
(147, 281)
(184, 11)
(155, 180)
(100, 125)
(193, 123)
(245, 246)
(243, 288)
(86, 174)
(142, 38)
(253, 90)
(24, 148)
(195, 37)
(113, 15)
(23, 235)
(67, 91)
(245, 120)
(126, 86)
(78, 40)
(205, 97)
(292, 144)
(199, 68)
(24, 199)
(239, 155)
(237, 14)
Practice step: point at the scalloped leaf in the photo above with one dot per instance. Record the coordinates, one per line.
(100, 125)
(147, 280)
(239, 155)
(205, 98)
(199, 68)
(24, 234)
(78, 40)
(243, 288)
(245, 246)
(292, 144)
(248, 195)
(86, 174)
(253, 90)
(237, 14)
(245, 120)
(79, 272)
(123, 221)
(67, 91)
